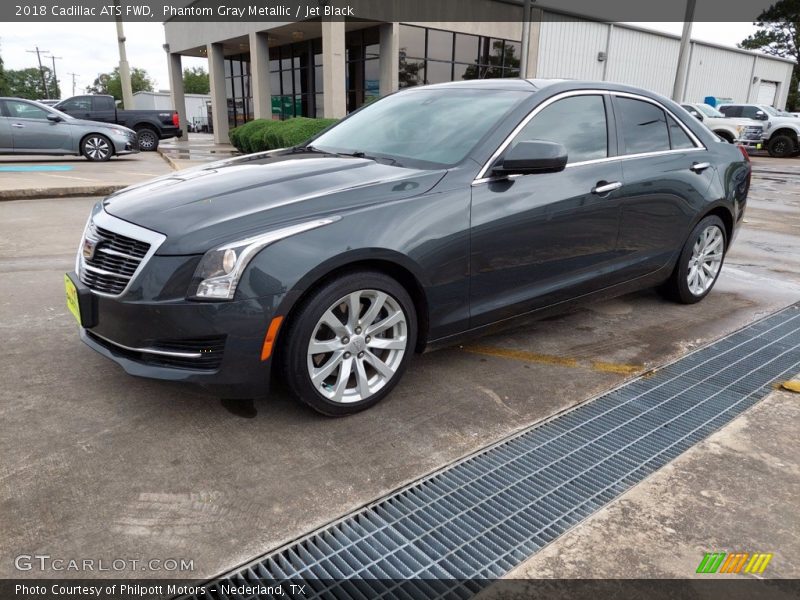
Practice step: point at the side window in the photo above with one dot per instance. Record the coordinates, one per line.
(577, 122)
(750, 112)
(103, 103)
(76, 105)
(731, 111)
(677, 136)
(644, 126)
(23, 110)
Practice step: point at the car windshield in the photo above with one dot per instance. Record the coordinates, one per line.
(770, 110)
(430, 127)
(708, 110)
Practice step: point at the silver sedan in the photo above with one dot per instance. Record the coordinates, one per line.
(28, 127)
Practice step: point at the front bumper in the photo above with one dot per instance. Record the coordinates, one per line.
(750, 144)
(216, 345)
(124, 144)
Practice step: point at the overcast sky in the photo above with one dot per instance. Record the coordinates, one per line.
(91, 48)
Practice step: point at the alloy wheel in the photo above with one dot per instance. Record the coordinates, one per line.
(147, 140)
(706, 260)
(97, 148)
(357, 346)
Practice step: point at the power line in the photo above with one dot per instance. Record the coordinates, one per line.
(41, 68)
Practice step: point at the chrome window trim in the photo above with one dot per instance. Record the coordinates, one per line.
(482, 178)
(149, 350)
(115, 225)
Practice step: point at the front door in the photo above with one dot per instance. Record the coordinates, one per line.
(542, 238)
(31, 130)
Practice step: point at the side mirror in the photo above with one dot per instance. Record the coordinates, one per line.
(699, 116)
(536, 156)
(761, 115)
(53, 118)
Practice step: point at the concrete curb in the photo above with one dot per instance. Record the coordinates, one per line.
(169, 161)
(65, 192)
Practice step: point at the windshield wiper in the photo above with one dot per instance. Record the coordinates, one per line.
(382, 158)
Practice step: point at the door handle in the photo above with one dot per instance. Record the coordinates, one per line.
(603, 187)
(18, 125)
(700, 167)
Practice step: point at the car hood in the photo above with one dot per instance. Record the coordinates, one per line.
(97, 124)
(201, 208)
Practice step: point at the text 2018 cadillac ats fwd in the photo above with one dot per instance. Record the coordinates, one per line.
(435, 213)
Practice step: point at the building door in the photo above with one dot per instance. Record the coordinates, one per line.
(767, 90)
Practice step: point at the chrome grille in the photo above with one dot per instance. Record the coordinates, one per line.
(753, 132)
(112, 252)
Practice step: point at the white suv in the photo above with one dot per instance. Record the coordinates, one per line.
(780, 132)
(745, 132)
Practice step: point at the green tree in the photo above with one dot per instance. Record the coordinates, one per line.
(195, 81)
(27, 83)
(3, 84)
(110, 83)
(779, 35)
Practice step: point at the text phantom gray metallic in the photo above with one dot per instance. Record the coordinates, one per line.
(436, 213)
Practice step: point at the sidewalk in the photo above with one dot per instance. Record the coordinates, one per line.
(197, 149)
(60, 176)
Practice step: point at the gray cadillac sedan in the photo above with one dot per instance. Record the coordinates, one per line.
(433, 214)
(28, 127)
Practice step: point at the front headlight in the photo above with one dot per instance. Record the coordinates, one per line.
(220, 269)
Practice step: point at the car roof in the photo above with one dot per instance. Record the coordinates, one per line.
(535, 85)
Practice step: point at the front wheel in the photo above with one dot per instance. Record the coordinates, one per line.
(349, 343)
(699, 263)
(97, 148)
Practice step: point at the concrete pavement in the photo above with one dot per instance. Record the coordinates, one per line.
(100, 464)
(60, 176)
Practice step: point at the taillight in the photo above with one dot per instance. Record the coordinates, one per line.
(175, 121)
(743, 150)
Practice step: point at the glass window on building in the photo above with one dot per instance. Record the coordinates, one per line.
(362, 51)
(237, 89)
(294, 72)
(435, 56)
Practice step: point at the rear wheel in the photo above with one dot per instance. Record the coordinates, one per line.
(349, 343)
(781, 146)
(725, 136)
(699, 264)
(97, 148)
(148, 139)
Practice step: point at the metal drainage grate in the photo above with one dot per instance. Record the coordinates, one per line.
(477, 519)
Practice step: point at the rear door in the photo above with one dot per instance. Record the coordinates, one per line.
(104, 109)
(31, 130)
(542, 238)
(667, 172)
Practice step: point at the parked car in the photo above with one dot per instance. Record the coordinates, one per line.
(429, 216)
(151, 126)
(28, 127)
(780, 131)
(746, 132)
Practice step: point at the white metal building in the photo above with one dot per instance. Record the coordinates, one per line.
(196, 104)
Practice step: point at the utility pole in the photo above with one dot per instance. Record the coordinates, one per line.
(41, 68)
(683, 56)
(73, 82)
(124, 69)
(526, 38)
(56, 93)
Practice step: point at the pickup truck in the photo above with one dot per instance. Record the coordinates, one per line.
(745, 132)
(780, 132)
(151, 126)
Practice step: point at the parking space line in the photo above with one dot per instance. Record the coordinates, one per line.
(551, 359)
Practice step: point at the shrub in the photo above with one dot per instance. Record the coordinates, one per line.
(266, 134)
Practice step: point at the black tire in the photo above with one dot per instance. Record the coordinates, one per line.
(97, 148)
(677, 286)
(147, 139)
(294, 356)
(781, 146)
